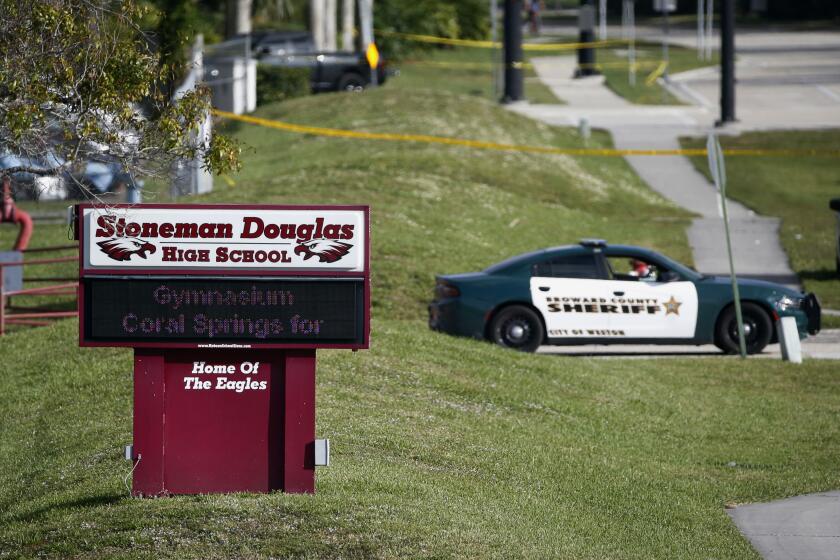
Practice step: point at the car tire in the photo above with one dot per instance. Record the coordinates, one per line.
(517, 327)
(351, 82)
(758, 329)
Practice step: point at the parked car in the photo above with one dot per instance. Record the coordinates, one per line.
(98, 178)
(595, 293)
(330, 71)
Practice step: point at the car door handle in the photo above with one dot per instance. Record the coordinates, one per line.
(544, 288)
(618, 293)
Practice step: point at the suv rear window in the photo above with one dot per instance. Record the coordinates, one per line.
(575, 266)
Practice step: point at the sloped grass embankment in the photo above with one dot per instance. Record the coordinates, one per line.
(442, 447)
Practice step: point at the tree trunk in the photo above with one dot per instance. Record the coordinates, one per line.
(238, 18)
(348, 22)
(330, 43)
(317, 13)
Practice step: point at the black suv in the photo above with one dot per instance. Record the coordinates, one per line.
(330, 71)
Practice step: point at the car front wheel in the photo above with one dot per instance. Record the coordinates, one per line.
(517, 327)
(758, 329)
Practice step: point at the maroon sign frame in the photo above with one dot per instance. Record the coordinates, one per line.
(213, 417)
(232, 273)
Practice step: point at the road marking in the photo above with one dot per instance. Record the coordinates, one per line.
(828, 93)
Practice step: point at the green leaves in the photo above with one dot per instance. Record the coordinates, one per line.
(80, 80)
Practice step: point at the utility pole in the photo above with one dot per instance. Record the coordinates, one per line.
(701, 25)
(494, 52)
(586, 25)
(628, 33)
(366, 23)
(348, 22)
(602, 15)
(513, 51)
(710, 20)
(727, 62)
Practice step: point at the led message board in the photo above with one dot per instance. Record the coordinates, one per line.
(214, 313)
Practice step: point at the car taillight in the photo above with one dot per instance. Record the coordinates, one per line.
(446, 290)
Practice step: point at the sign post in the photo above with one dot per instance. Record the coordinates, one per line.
(225, 307)
(665, 7)
(718, 169)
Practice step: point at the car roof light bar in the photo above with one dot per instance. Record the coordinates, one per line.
(593, 243)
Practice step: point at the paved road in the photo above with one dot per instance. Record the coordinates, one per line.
(800, 528)
(824, 346)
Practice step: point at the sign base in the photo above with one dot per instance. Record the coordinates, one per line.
(223, 420)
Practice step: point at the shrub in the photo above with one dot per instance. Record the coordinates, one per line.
(465, 19)
(276, 83)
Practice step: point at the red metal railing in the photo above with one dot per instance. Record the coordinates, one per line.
(41, 316)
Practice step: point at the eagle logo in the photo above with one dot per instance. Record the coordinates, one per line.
(121, 248)
(327, 250)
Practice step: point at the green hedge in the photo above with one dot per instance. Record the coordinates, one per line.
(275, 83)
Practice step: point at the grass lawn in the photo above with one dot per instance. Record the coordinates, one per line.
(442, 447)
(649, 55)
(796, 189)
(462, 70)
(613, 64)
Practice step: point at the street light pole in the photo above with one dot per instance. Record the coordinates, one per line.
(513, 51)
(727, 62)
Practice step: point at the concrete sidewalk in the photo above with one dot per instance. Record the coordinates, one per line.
(757, 250)
(799, 528)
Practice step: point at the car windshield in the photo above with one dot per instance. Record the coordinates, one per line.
(680, 268)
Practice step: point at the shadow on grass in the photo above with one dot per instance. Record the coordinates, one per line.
(80, 503)
(823, 274)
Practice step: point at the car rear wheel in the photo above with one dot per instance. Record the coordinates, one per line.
(351, 82)
(758, 329)
(517, 327)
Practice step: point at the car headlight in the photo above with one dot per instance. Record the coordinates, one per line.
(786, 302)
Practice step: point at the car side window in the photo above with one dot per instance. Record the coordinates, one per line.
(638, 269)
(574, 266)
(302, 46)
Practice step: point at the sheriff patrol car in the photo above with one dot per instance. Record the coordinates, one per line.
(595, 293)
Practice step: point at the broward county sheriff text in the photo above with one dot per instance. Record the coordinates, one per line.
(602, 305)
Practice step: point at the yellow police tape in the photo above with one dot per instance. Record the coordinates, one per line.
(458, 65)
(488, 65)
(663, 65)
(492, 44)
(483, 145)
